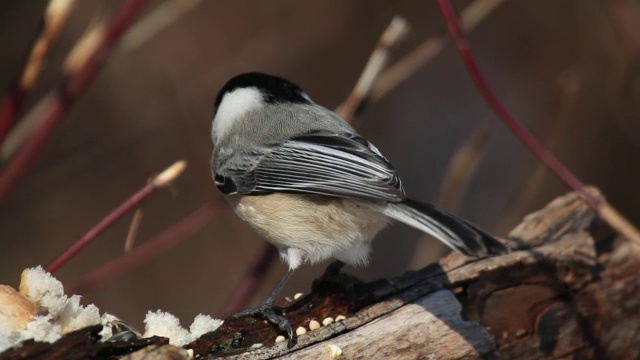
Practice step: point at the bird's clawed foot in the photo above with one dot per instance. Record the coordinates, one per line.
(268, 312)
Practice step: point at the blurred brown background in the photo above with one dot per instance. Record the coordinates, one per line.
(568, 69)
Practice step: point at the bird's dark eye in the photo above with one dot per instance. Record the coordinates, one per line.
(225, 185)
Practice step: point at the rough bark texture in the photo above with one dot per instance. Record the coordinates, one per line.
(569, 289)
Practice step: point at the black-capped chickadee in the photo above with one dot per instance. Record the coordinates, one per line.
(305, 180)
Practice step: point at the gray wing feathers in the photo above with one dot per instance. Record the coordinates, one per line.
(330, 164)
(324, 170)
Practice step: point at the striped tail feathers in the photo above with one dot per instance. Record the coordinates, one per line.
(456, 233)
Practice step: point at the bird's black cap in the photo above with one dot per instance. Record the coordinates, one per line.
(275, 89)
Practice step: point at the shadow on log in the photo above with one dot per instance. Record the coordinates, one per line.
(569, 289)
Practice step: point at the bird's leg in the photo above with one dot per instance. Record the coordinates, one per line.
(271, 299)
(267, 312)
(333, 269)
(333, 281)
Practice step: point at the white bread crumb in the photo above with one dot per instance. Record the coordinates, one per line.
(16, 311)
(43, 290)
(58, 314)
(75, 316)
(164, 324)
(6, 341)
(46, 314)
(203, 324)
(41, 329)
(161, 323)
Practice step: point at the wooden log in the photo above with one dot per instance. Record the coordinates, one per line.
(569, 289)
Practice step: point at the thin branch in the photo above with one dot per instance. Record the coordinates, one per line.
(52, 22)
(395, 32)
(165, 14)
(471, 17)
(84, 48)
(142, 31)
(388, 80)
(160, 181)
(25, 127)
(39, 114)
(512, 123)
(9, 111)
(605, 210)
(461, 168)
(133, 229)
(71, 87)
(150, 249)
(132, 233)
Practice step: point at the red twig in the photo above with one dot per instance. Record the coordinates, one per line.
(9, 111)
(160, 181)
(150, 249)
(71, 88)
(250, 282)
(607, 212)
(509, 120)
(100, 227)
(52, 22)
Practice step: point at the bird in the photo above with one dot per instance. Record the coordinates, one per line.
(308, 183)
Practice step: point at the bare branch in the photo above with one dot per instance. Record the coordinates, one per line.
(52, 22)
(166, 176)
(150, 249)
(471, 17)
(71, 88)
(395, 32)
(605, 210)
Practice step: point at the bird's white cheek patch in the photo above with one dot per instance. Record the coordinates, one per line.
(233, 106)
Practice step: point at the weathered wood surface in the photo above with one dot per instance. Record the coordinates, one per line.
(432, 322)
(569, 289)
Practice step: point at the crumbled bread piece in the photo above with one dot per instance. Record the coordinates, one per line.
(164, 324)
(7, 339)
(16, 311)
(203, 324)
(75, 316)
(43, 290)
(59, 314)
(41, 329)
(42, 293)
